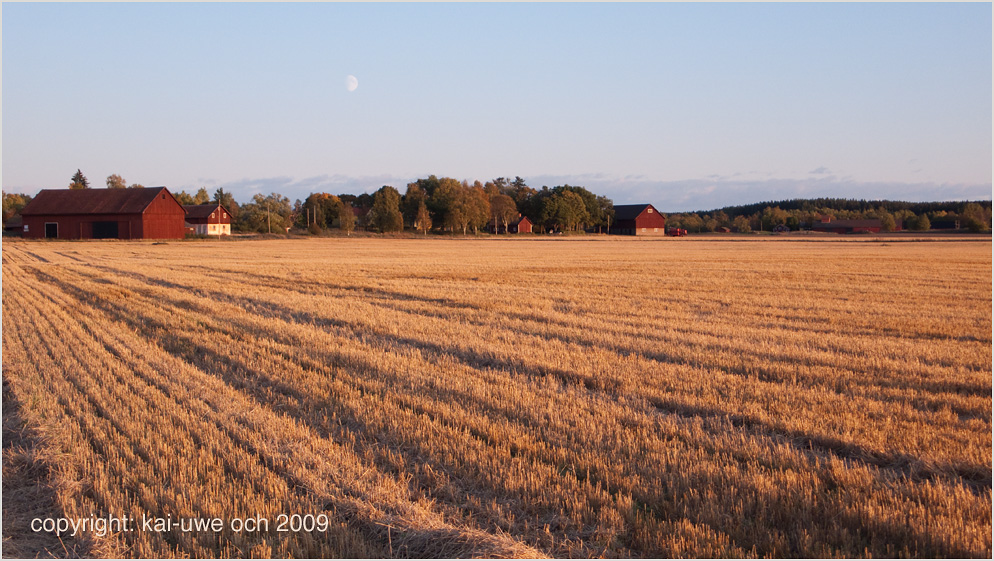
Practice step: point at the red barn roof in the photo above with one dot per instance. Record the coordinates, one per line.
(202, 211)
(92, 201)
(630, 212)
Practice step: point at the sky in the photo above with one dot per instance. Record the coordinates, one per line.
(685, 106)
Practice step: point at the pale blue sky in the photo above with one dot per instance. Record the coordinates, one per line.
(686, 106)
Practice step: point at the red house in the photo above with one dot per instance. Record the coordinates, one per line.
(127, 214)
(521, 226)
(210, 219)
(637, 220)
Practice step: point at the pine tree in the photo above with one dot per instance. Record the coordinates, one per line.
(79, 181)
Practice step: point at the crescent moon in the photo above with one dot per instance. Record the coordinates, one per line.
(351, 83)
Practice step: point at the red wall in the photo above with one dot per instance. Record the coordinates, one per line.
(74, 227)
(650, 220)
(163, 218)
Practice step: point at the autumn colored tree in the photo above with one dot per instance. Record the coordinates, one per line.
(975, 218)
(182, 197)
(741, 224)
(12, 204)
(346, 218)
(503, 210)
(201, 198)
(478, 206)
(320, 209)
(422, 220)
(115, 181)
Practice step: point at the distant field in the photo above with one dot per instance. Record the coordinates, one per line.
(452, 398)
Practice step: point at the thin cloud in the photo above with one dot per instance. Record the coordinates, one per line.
(668, 196)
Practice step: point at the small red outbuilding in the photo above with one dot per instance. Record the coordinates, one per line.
(521, 226)
(127, 214)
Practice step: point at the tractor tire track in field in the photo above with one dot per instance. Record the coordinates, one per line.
(447, 433)
(976, 477)
(414, 541)
(193, 353)
(672, 338)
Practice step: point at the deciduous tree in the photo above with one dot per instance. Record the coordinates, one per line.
(266, 214)
(385, 215)
(919, 223)
(346, 218)
(321, 209)
(12, 204)
(201, 198)
(183, 198)
(477, 205)
(503, 210)
(422, 220)
(115, 181)
(741, 224)
(412, 202)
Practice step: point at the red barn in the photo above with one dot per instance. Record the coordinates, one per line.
(210, 219)
(637, 220)
(521, 226)
(127, 214)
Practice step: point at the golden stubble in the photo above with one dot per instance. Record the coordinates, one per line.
(453, 398)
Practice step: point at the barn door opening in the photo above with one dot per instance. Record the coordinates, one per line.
(104, 230)
(51, 229)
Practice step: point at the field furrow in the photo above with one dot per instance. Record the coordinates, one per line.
(454, 398)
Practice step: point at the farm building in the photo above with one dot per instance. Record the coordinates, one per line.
(143, 213)
(637, 220)
(210, 219)
(520, 225)
(945, 225)
(865, 226)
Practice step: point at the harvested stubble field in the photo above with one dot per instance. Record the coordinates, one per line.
(454, 398)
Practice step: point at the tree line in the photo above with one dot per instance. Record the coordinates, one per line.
(449, 205)
(428, 204)
(800, 214)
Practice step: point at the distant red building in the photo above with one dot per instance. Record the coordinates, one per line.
(520, 225)
(210, 219)
(637, 220)
(127, 214)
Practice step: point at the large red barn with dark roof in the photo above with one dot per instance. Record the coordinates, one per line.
(127, 214)
(638, 220)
